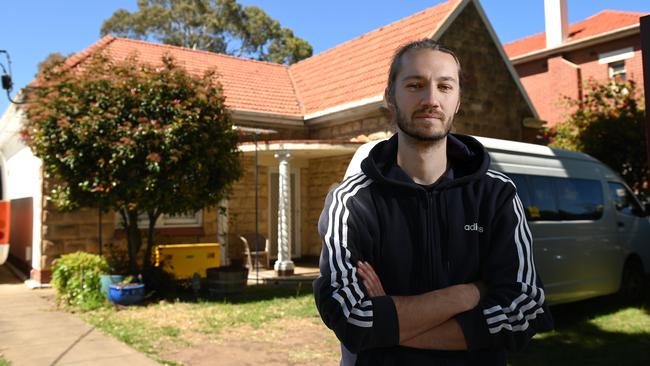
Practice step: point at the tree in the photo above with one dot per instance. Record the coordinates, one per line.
(132, 137)
(609, 124)
(221, 26)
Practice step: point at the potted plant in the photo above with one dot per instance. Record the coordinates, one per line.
(127, 292)
(118, 266)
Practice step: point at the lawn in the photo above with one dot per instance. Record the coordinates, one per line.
(3, 361)
(280, 325)
(599, 331)
(263, 320)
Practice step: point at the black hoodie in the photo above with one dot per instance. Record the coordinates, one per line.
(468, 226)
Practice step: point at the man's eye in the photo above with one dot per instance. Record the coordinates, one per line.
(446, 87)
(413, 86)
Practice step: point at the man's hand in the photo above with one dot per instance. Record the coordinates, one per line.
(370, 279)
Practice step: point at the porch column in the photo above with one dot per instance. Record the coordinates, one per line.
(284, 266)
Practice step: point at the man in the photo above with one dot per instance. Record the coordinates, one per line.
(427, 222)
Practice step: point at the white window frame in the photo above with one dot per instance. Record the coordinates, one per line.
(166, 221)
(613, 74)
(615, 56)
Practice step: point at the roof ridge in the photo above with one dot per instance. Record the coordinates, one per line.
(78, 57)
(186, 49)
(376, 30)
(619, 12)
(296, 92)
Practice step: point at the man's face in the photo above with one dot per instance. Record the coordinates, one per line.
(427, 94)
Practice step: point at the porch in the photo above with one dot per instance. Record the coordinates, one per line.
(280, 196)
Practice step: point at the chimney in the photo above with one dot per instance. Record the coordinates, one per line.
(556, 16)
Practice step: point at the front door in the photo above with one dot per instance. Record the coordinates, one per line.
(295, 213)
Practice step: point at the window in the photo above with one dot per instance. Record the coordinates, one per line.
(554, 199)
(579, 199)
(165, 221)
(522, 192)
(624, 199)
(542, 196)
(617, 70)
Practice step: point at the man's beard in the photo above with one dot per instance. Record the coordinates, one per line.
(409, 127)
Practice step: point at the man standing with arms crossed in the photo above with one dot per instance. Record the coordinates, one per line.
(427, 222)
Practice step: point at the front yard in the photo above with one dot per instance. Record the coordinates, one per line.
(268, 325)
(274, 325)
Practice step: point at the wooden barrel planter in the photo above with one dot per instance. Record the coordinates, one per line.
(226, 280)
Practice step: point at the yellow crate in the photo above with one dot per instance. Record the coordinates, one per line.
(183, 260)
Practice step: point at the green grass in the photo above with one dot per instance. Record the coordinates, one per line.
(149, 327)
(594, 332)
(3, 361)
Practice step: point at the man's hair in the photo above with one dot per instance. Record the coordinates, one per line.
(396, 64)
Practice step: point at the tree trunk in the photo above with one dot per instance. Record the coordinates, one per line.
(134, 239)
(153, 217)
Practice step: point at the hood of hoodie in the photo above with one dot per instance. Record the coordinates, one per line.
(468, 157)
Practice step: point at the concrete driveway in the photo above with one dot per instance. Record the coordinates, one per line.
(32, 332)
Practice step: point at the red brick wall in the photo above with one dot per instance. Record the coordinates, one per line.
(547, 80)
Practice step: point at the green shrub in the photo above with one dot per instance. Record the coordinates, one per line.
(76, 279)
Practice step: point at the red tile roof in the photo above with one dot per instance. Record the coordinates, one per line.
(247, 84)
(603, 22)
(358, 69)
(350, 72)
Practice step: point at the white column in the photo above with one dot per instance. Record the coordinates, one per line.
(284, 266)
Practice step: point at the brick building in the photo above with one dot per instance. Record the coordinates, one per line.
(558, 62)
(320, 109)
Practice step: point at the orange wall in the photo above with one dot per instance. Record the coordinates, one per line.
(548, 80)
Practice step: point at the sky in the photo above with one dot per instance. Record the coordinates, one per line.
(32, 29)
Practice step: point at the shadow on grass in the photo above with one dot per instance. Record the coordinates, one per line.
(263, 292)
(578, 341)
(252, 293)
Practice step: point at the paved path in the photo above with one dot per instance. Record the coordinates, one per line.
(32, 333)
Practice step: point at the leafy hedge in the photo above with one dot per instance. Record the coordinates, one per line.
(76, 278)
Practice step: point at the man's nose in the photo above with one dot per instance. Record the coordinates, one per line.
(430, 97)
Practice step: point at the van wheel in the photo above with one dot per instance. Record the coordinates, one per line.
(632, 288)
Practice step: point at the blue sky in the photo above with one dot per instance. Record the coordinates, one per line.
(32, 29)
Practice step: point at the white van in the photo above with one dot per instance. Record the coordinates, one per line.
(591, 234)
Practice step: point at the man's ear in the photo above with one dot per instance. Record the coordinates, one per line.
(457, 106)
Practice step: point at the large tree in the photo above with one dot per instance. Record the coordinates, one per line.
(222, 26)
(608, 123)
(131, 137)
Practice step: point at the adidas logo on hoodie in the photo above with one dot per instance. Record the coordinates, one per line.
(474, 227)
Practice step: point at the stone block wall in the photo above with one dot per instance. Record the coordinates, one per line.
(241, 203)
(491, 103)
(69, 232)
(322, 175)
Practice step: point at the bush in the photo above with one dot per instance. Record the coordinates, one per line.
(76, 278)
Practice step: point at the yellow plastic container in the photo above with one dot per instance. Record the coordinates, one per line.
(183, 260)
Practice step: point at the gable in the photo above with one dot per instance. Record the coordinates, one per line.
(358, 69)
(493, 103)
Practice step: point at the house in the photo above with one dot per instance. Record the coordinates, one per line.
(558, 62)
(319, 110)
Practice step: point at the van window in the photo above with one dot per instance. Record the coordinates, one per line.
(551, 198)
(624, 199)
(542, 196)
(579, 199)
(522, 191)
